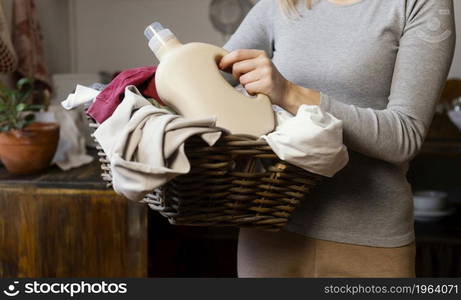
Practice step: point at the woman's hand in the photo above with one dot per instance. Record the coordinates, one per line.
(256, 72)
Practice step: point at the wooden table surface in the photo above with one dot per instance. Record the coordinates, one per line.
(86, 177)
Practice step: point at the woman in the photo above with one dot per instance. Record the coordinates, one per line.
(379, 66)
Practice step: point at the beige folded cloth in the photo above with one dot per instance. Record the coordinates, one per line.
(145, 144)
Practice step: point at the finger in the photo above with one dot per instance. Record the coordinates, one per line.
(255, 87)
(250, 77)
(243, 67)
(238, 55)
(227, 70)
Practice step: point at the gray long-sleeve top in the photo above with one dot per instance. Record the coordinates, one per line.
(380, 66)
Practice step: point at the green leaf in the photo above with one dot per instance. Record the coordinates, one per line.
(14, 105)
(14, 98)
(21, 107)
(6, 93)
(25, 82)
(24, 95)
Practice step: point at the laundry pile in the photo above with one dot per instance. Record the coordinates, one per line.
(144, 139)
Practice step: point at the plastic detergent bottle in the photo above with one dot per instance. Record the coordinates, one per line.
(189, 81)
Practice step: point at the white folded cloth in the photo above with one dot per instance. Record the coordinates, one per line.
(71, 150)
(281, 115)
(311, 140)
(455, 117)
(145, 144)
(82, 95)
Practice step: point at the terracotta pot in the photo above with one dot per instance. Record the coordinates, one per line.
(30, 150)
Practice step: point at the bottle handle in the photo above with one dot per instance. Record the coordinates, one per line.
(258, 97)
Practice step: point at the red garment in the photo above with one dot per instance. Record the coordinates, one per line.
(107, 101)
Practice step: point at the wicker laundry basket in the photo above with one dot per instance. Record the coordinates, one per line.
(237, 182)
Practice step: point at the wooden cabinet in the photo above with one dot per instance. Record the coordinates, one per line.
(66, 224)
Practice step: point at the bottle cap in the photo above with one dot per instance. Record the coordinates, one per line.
(158, 36)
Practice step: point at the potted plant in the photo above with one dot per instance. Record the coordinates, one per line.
(26, 147)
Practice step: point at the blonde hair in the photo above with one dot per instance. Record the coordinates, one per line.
(289, 7)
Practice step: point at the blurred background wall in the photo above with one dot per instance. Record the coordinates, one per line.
(108, 34)
(87, 36)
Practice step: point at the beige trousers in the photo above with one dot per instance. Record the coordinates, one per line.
(285, 254)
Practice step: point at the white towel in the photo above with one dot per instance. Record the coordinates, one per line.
(145, 144)
(82, 95)
(455, 117)
(311, 140)
(71, 151)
